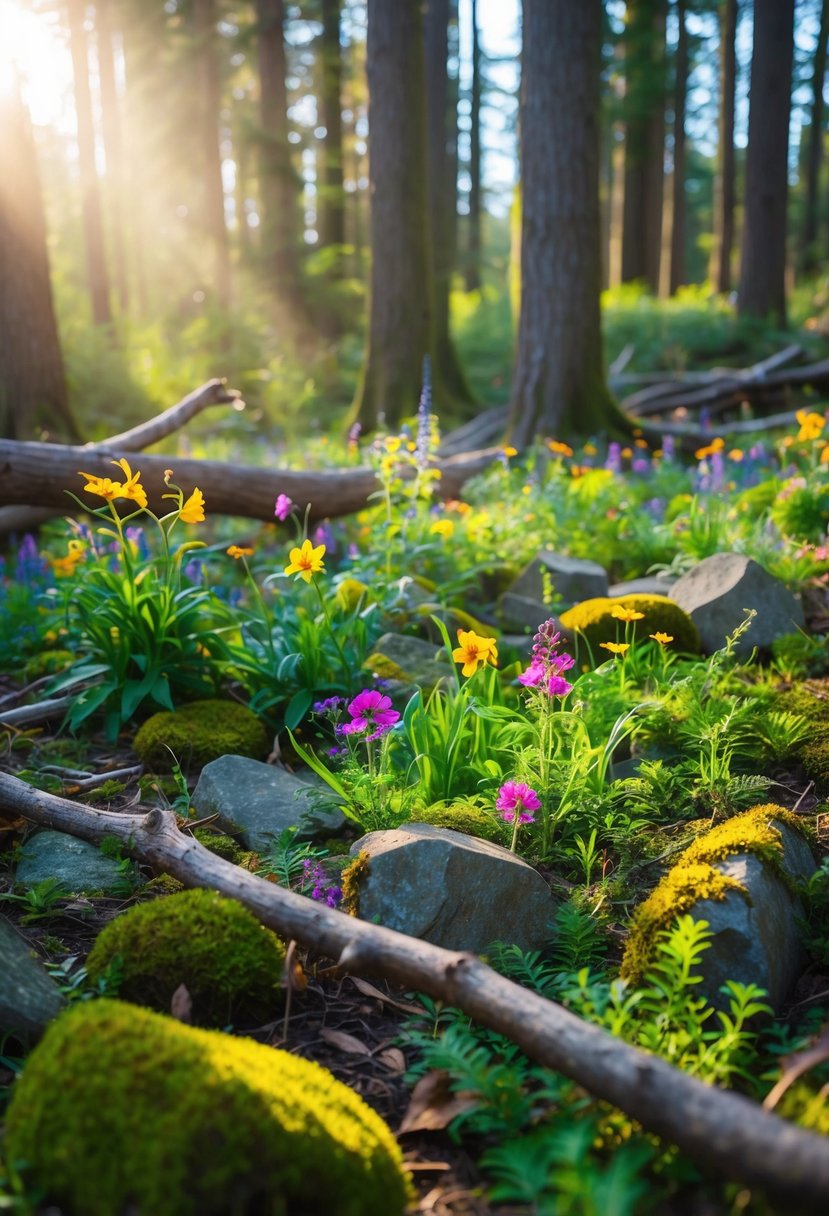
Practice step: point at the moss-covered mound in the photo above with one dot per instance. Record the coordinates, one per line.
(230, 965)
(811, 700)
(122, 1110)
(461, 817)
(198, 733)
(594, 620)
(695, 877)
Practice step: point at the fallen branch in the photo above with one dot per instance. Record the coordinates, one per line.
(721, 1131)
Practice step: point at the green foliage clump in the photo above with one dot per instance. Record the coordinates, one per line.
(694, 877)
(461, 817)
(198, 733)
(119, 1109)
(801, 509)
(229, 963)
(593, 620)
(47, 663)
(220, 844)
(811, 700)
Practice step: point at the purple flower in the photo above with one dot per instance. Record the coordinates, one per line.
(614, 458)
(328, 706)
(546, 664)
(370, 711)
(314, 875)
(283, 507)
(515, 797)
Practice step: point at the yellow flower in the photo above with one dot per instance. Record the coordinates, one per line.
(590, 449)
(65, 566)
(509, 450)
(132, 487)
(442, 527)
(627, 453)
(193, 510)
(306, 561)
(641, 443)
(811, 424)
(238, 551)
(716, 445)
(101, 487)
(662, 638)
(615, 647)
(626, 614)
(558, 448)
(474, 651)
(824, 456)
(392, 443)
(736, 454)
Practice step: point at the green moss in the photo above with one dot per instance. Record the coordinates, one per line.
(122, 1110)
(805, 1103)
(385, 668)
(811, 700)
(461, 817)
(198, 733)
(220, 844)
(593, 619)
(350, 880)
(694, 877)
(230, 965)
(46, 663)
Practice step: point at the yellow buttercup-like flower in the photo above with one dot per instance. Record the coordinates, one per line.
(474, 651)
(626, 614)
(193, 510)
(239, 551)
(616, 647)
(132, 487)
(711, 449)
(102, 487)
(442, 527)
(105, 487)
(811, 424)
(306, 561)
(662, 638)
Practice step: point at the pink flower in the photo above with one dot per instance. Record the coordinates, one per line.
(541, 672)
(517, 797)
(283, 507)
(370, 711)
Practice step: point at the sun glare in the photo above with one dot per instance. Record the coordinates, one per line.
(32, 47)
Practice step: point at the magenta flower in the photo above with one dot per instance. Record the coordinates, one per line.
(514, 797)
(283, 507)
(546, 665)
(370, 711)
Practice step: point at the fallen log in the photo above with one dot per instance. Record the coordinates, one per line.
(721, 1131)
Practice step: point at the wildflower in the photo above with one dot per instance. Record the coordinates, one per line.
(193, 510)
(616, 647)
(306, 561)
(283, 507)
(132, 487)
(716, 445)
(517, 798)
(474, 650)
(546, 664)
(559, 449)
(239, 551)
(393, 443)
(736, 454)
(370, 711)
(101, 487)
(626, 614)
(64, 567)
(662, 638)
(811, 424)
(442, 527)
(328, 706)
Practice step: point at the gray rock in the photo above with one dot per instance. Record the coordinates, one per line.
(756, 940)
(77, 864)
(411, 660)
(258, 801)
(573, 579)
(655, 585)
(29, 997)
(715, 593)
(521, 612)
(452, 890)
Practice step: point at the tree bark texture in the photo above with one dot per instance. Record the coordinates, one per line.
(96, 266)
(644, 111)
(679, 209)
(33, 395)
(724, 186)
(279, 185)
(400, 291)
(810, 255)
(113, 149)
(722, 1132)
(210, 99)
(559, 384)
(763, 260)
(331, 193)
(473, 250)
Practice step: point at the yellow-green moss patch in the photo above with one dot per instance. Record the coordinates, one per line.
(461, 817)
(198, 733)
(594, 620)
(122, 1110)
(229, 963)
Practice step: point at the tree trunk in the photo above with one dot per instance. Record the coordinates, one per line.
(32, 385)
(810, 254)
(644, 109)
(213, 194)
(679, 234)
(763, 261)
(724, 192)
(559, 383)
(90, 194)
(113, 148)
(400, 309)
(136, 168)
(330, 192)
(473, 252)
(442, 142)
(278, 181)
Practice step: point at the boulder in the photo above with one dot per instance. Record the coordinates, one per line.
(718, 590)
(573, 579)
(257, 801)
(77, 864)
(452, 890)
(521, 612)
(398, 657)
(650, 585)
(29, 997)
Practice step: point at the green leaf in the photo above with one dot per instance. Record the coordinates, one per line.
(297, 708)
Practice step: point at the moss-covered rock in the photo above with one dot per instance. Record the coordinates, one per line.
(198, 733)
(461, 817)
(594, 621)
(229, 963)
(121, 1110)
(695, 877)
(811, 700)
(220, 844)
